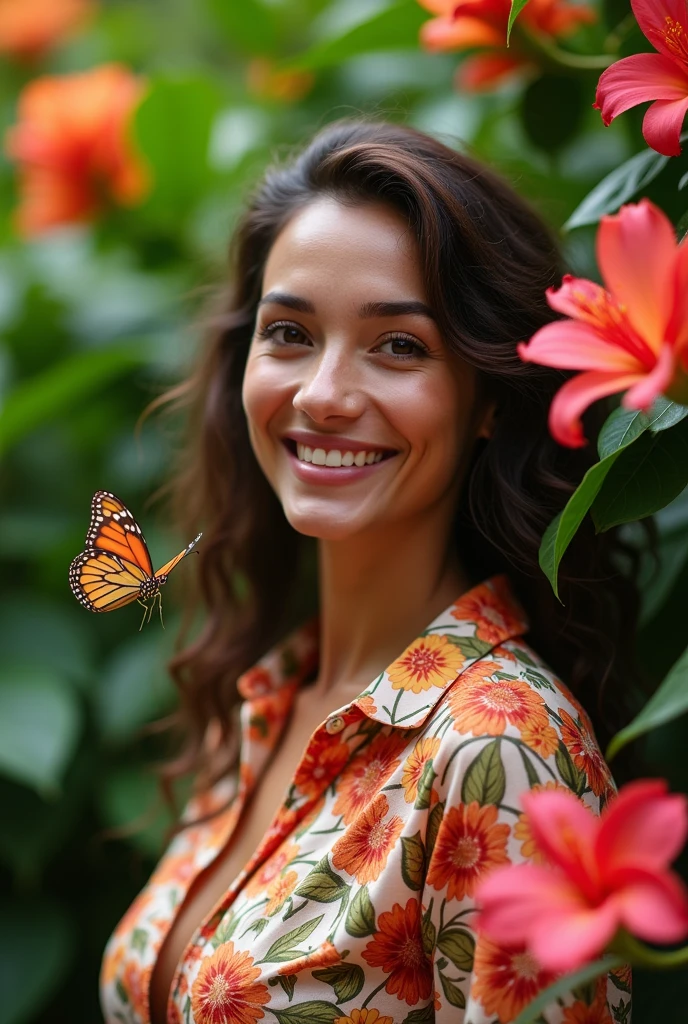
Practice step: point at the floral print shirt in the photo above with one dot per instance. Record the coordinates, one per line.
(358, 905)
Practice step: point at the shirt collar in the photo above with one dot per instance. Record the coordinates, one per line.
(408, 689)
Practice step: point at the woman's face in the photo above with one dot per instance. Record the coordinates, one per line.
(347, 366)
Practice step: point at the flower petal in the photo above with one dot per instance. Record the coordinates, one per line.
(655, 908)
(574, 397)
(656, 383)
(636, 253)
(486, 70)
(564, 830)
(677, 328)
(655, 17)
(636, 79)
(567, 941)
(570, 345)
(438, 6)
(643, 827)
(662, 125)
(459, 34)
(511, 898)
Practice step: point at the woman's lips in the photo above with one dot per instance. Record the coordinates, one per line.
(309, 473)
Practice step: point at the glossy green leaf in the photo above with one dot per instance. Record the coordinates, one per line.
(552, 108)
(516, 8)
(249, 26)
(549, 996)
(668, 702)
(67, 645)
(395, 27)
(133, 687)
(130, 802)
(620, 185)
(40, 720)
(42, 399)
(645, 478)
(38, 943)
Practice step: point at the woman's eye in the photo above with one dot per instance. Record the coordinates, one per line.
(403, 348)
(283, 334)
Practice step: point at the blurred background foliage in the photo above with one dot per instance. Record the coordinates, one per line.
(97, 319)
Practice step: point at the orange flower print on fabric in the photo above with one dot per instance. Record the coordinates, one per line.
(322, 763)
(367, 704)
(423, 752)
(522, 830)
(226, 990)
(585, 753)
(540, 737)
(272, 868)
(268, 715)
(429, 661)
(365, 846)
(485, 707)
(581, 1013)
(136, 982)
(279, 890)
(397, 947)
(177, 870)
(506, 980)
(365, 1016)
(488, 609)
(470, 842)
(324, 956)
(365, 775)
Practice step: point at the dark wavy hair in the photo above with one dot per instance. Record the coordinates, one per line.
(487, 259)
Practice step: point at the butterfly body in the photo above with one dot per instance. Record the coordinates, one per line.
(115, 568)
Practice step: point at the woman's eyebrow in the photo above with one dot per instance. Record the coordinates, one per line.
(367, 310)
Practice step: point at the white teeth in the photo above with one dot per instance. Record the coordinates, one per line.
(334, 457)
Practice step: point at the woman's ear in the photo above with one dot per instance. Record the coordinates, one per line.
(487, 422)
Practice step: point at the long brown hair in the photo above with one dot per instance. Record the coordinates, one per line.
(487, 259)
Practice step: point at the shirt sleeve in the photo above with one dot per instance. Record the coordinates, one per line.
(476, 825)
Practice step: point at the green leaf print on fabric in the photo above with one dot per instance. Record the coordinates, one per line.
(434, 822)
(285, 948)
(428, 932)
(347, 980)
(287, 983)
(570, 775)
(139, 939)
(425, 782)
(485, 778)
(360, 918)
(315, 1012)
(469, 645)
(426, 1015)
(413, 861)
(453, 993)
(322, 884)
(459, 946)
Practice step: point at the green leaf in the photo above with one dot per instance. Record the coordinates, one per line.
(129, 797)
(314, 1012)
(123, 703)
(394, 28)
(413, 861)
(645, 478)
(287, 982)
(552, 108)
(423, 794)
(485, 778)
(617, 188)
(570, 775)
(29, 979)
(470, 646)
(346, 979)
(453, 993)
(139, 939)
(561, 987)
(425, 1015)
(428, 932)
(322, 884)
(173, 127)
(516, 8)
(40, 721)
(249, 26)
(668, 702)
(434, 822)
(360, 917)
(44, 398)
(284, 948)
(532, 775)
(459, 946)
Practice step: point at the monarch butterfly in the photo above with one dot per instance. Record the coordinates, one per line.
(115, 567)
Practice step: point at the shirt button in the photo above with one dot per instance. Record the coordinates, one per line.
(334, 725)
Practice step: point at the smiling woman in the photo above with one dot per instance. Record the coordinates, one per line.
(358, 774)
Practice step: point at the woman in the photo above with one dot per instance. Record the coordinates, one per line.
(362, 399)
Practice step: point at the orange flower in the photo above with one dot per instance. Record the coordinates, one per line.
(272, 868)
(135, 981)
(268, 715)
(226, 991)
(423, 752)
(470, 843)
(178, 870)
(397, 947)
(324, 956)
(29, 28)
(428, 661)
(279, 890)
(365, 775)
(72, 147)
(367, 704)
(365, 846)
(369, 1016)
(540, 737)
(484, 707)
(506, 980)
(523, 832)
(586, 754)
(491, 608)
(265, 81)
(112, 961)
(323, 761)
(581, 1013)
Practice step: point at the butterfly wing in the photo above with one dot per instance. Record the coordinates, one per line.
(167, 568)
(114, 530)
(103, 582)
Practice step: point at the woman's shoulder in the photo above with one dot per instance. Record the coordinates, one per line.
(509, 723)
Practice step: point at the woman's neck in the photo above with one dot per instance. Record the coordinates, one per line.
(376, 595)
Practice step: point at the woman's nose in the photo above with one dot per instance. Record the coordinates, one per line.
(331, 387)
